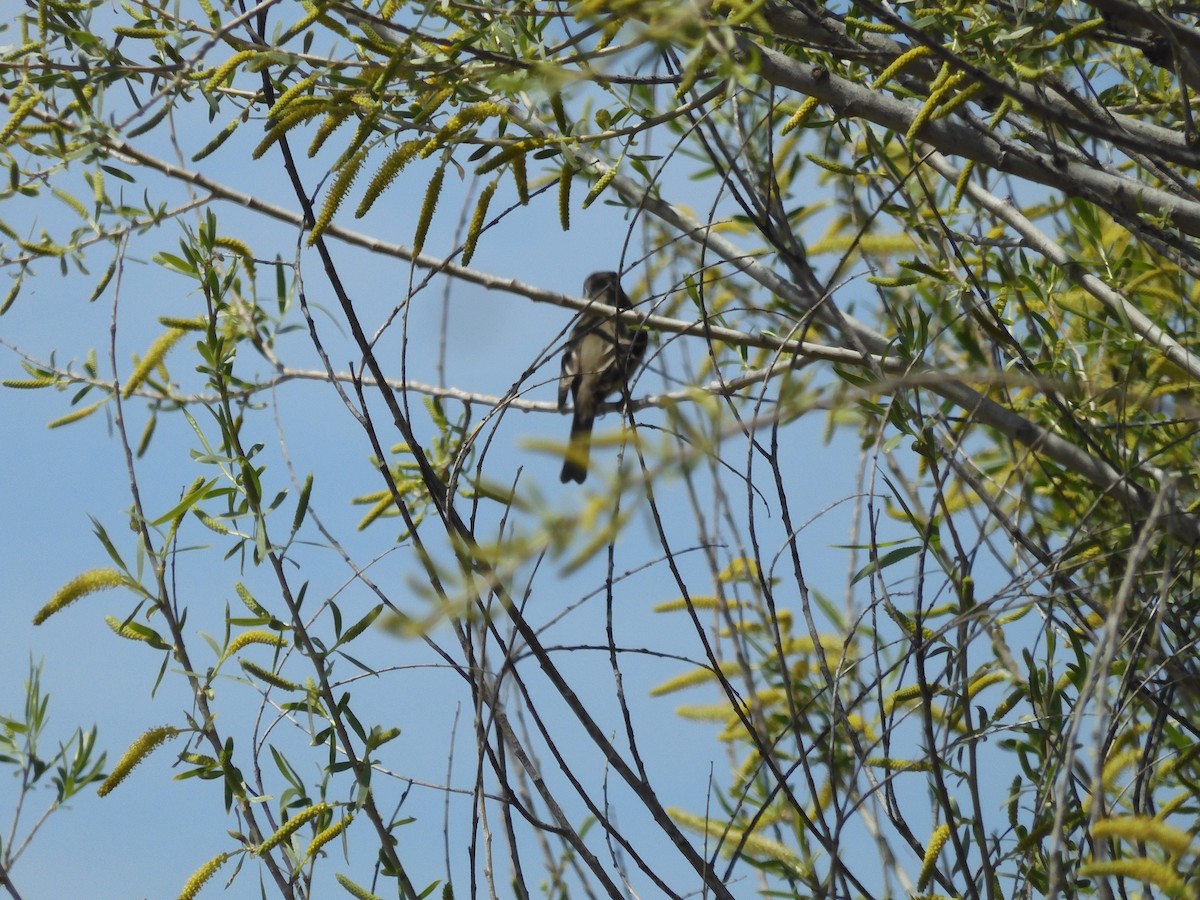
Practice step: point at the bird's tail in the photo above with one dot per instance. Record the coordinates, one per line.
(575, 466)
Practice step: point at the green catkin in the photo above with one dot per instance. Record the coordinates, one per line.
(327, 127)
(266, 675)
(520, 178)
(830, 165)
(560, 114)
(427, 207)
(76, 415)
(28, 384)
(11, 297)
(151, 34)
(222, 136)
(477, 222)
(564, 198)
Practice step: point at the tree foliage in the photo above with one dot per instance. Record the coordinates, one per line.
(959, 239)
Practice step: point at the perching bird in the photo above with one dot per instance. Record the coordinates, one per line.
(601, 355)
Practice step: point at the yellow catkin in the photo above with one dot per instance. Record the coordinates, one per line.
(382, 180)
(139, 750)
(1028, 73)
(899, 63)
(471, 115)
(960, 186)
(79, 586)
(196, 324)
(688, 679)
(326, 836)
(868, 25)
(932, 105)
(298, 111)
(692, 74)
(353, 889)
(984, 681)
(1145, 829)
(285, 99)
(331, 123)
(749, 842)
(201, 875)
(1140, 869)
(256, 636)
(127, 631)
(225, 71)
(967, 93)
(598, 188)
(23, 50)
(154, 356)
(1075, 31)
(800, 116)
(251, 604)
(509, 153)
(288, 828)
(240, 249)
(18, 116)
(941, 834)
(337, 193)
(207, 8)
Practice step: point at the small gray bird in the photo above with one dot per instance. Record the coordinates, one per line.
(601, 356)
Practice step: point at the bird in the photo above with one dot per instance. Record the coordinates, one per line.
(601, 355)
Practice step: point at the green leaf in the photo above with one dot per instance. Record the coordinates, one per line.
(888, 559)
